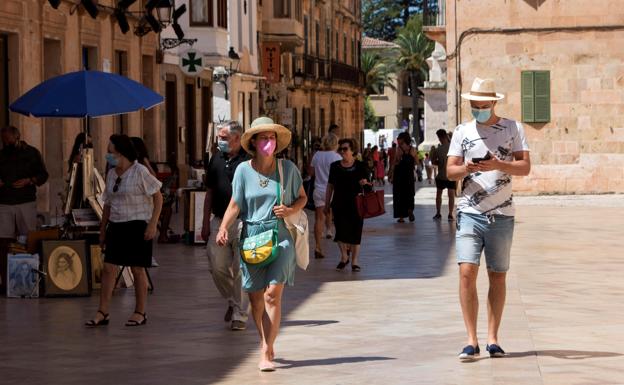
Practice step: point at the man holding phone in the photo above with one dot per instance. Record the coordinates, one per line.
(485, 153)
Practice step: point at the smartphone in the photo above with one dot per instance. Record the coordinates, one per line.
(487, 156)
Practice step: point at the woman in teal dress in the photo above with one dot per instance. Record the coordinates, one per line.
(255, 200)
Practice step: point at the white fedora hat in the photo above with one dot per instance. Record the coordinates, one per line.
(483, 89)
(263, 124)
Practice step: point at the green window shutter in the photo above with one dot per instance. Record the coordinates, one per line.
(542, 96)
(528, 96)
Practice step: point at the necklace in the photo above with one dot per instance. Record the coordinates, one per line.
(262, 182)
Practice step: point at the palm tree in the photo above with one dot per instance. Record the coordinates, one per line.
(414, 49)
(378, 72)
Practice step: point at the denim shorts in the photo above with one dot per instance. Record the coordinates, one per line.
(491, 234)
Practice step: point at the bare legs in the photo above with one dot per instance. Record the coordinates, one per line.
(319, 221)
(438, 201)
(496, 303)
(344, 256)
(109, 273)
(451, 198)
(470, 302)
(266, 307)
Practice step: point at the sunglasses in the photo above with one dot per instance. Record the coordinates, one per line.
(343, 149)
(116, 186)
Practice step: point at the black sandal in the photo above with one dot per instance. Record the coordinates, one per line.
(103, 322)
(342, 265)
(132, 322)
(318, 255)
(355, 268)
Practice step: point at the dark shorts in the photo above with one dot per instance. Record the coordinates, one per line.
(126, 246)
(443, 184)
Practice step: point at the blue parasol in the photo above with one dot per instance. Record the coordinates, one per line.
(84, 94)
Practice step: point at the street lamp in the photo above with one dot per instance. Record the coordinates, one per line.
(298, 78)
(234, 60)
(271, 103)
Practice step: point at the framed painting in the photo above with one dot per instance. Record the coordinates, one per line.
(22, 270)
(66, 265)
(97, 265)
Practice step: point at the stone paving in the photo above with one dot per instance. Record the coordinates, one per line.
(398, 321)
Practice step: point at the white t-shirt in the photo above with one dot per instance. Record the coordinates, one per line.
(488, 192)
(321, 161)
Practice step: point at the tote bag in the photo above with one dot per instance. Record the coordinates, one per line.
(297, 226)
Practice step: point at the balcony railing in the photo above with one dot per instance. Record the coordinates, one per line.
(346, 73)
(435, 14)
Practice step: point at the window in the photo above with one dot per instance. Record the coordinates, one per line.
(222, 14)
(281, 8)
(381, 122)
(202, 12)
(306, 32)
(328, 43)
(4, 83)
(317, 32)
(344, 48)
(337, 46)
(535, 89)
(121, 68)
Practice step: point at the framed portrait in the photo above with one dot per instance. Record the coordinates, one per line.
(71, 189)
(88, 189)
(65, 263)
(22, 275)
(97, 265)
(198, 217)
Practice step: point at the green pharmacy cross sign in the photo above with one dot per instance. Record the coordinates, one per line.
(192, 62)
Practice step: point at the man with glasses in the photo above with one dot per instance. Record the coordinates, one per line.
(485, 153)
(225, 260)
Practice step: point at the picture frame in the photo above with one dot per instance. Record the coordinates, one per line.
(71, 189)
(65, 263)
(88, 185)
(22, 276)
(198, 218)
(96, 206)
(97, 266)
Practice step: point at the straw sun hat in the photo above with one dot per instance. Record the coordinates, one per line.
(483, 90)
(264, 124)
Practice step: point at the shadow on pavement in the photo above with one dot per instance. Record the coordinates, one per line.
(565, 354)
(327, 361)
(308, 323)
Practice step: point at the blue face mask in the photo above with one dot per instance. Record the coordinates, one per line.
(112, 159)
(223, 146)
(482, 115)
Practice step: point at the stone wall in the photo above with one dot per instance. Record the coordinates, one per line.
(581, 149)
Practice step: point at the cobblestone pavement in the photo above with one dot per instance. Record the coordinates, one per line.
(397, 321)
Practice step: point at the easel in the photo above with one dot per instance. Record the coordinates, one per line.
(150, 284)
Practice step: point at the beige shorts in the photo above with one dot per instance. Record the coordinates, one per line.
(16, 220)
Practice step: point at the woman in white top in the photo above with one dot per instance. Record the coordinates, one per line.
(132, 204)
(319, 169)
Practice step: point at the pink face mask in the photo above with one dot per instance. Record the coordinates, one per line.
(266, 146)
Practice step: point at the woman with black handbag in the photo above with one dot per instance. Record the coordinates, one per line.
(347, 178)
(267, 248)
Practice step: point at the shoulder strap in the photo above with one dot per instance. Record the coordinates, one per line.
(281, 181)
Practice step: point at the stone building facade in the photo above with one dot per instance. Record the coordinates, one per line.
(38, 42)
(574, 50)
(320, 41)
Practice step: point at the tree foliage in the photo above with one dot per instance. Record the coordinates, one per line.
(378, 72)
(382, 18)
(370, 120)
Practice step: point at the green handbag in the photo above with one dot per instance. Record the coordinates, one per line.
(261, 249)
